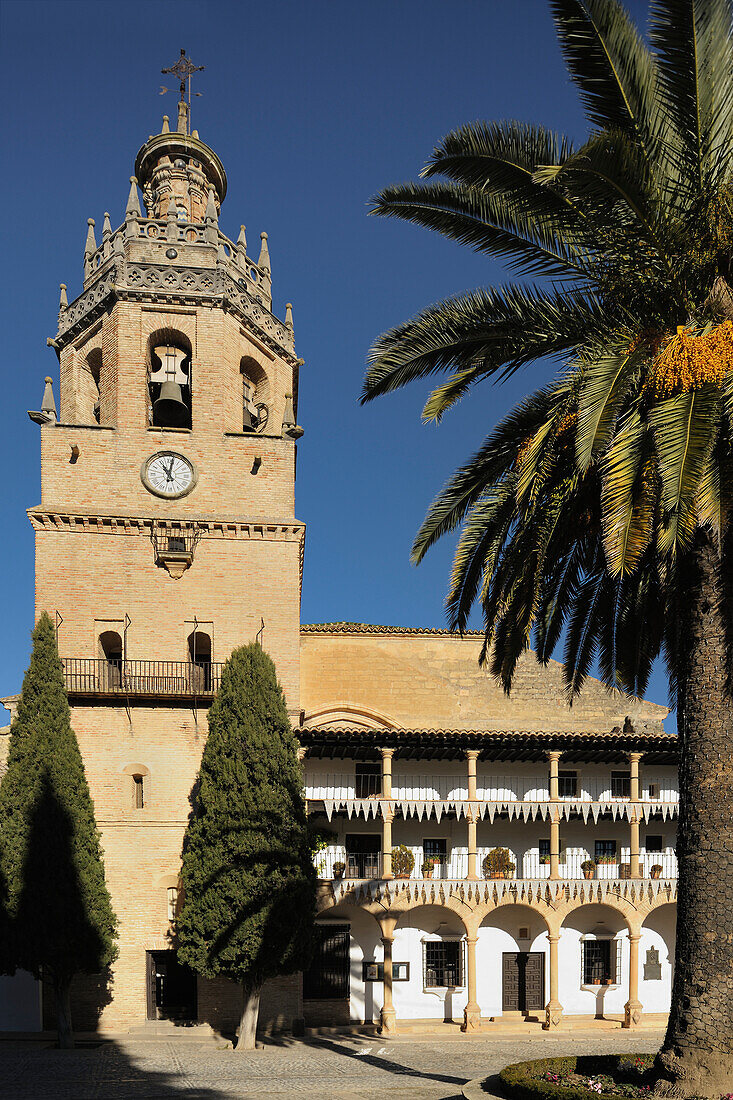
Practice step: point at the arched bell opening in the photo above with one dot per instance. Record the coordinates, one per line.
(255, 395)
(199, 656)
(90, 387)
(169, 379)
(111, 656)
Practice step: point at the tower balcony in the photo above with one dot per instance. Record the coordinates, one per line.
(88, 677)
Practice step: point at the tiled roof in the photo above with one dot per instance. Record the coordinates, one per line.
(644, 734)
(371, 628)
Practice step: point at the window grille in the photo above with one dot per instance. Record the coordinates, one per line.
(654, 843)
(327, 977)
(620, 784)
(600, 962)
(442, 964)
(435, 848)
(567, 784)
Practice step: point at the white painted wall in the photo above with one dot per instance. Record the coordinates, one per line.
(20, 1003)
(575, 999)
(411, 1000)
(658, 931)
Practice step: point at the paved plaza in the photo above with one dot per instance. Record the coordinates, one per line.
(347, 1068)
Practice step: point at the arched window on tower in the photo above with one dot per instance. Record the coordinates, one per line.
(199, 656)
(169, 380)
(255, 395)
(110, 653)
(90, 387)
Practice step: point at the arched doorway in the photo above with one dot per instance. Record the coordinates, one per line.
(111, 656)
(512, 962)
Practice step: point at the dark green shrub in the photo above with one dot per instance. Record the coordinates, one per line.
(527, 1080)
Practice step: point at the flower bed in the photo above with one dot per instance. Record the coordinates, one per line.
(608, 1076)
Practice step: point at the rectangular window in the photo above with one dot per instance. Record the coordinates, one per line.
(605, 851)
(654, 843)
(620, 785)
(442, 964)
(544, 851)
(599, 962)
(435, 849)
(368, 780)
(567, 784)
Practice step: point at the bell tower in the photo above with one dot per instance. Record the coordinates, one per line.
(166, 532)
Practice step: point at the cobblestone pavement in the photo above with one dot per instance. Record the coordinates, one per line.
(344, 1068)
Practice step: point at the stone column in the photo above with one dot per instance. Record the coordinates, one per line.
(472, 1011)
(471, 869)
(388, 1018)
(387, 818)
(635, 866)
(387, 755)
(553, 1010)
(633, 1008)
(471, 758)
(554, 759)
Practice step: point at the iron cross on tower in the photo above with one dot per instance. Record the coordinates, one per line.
(184, 69)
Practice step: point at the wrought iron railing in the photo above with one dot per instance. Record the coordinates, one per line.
(98, 676)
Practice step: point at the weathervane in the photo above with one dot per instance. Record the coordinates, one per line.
(184, 70)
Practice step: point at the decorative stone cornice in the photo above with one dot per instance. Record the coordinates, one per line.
(131, 526)
(177, 285)
(637, 893)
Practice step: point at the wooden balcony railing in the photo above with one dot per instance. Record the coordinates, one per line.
(101, 677)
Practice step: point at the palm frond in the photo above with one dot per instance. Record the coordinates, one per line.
(533, 244)
(692, 40)
(605, 381)
(612, 67)
(685, 429)
(495, 331)
(628, 496)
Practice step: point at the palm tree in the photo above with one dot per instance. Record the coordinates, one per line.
(597, 513)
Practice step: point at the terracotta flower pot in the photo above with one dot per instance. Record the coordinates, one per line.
(588, 874)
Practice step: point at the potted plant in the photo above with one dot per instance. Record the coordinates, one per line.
(498, 864)
(403, 862)
(428, 865)
(338, 869)
(656, 870)
(624, 870)
(588, 867)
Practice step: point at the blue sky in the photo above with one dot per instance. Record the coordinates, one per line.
(312, 108)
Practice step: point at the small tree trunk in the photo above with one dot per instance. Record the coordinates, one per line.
(696, 1058)
(62, 993)
(250, 1014)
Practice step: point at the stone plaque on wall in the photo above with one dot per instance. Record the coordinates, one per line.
(652, 966)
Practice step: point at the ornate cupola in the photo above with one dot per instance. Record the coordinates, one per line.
(175, 166)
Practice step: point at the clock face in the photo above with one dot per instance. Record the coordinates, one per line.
(168, 474)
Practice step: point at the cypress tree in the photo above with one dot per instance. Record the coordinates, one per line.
(248, 876)
(57, 911)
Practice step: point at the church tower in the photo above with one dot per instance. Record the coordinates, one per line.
(166, 533)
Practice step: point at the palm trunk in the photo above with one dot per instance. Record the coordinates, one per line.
(62, 993)
(697, 1055)
(248, 1021)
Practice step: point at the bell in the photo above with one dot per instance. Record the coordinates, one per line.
(170, 410)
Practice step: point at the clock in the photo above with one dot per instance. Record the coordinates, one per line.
(168, 474)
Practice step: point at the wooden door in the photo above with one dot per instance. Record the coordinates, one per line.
(523, 981)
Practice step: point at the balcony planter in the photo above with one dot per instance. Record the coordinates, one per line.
(427, 868)
(624, 870)
(588, 867)
(403, 862)
(338, 870)
(656, 871)
(498, 864)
